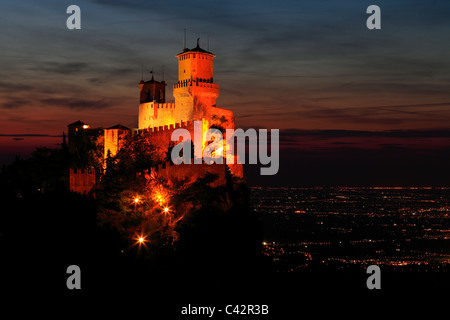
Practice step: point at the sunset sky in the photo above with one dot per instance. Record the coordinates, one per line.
(309, 68)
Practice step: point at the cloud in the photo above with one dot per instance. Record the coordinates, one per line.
(61, 68)
(342, 143)
(119, 3)
(28, 135)
(66, 102)
(331, 134)
(76, 103)
(13, 103)
(396, 147)
(8, 87)
(394, 116)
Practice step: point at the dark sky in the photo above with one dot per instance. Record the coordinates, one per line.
(336, 90)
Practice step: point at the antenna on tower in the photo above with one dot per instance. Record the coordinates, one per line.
(184, 40)
(162, 72)
(153, 85)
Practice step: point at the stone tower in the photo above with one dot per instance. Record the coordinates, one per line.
(195, 93)
(77, 135)
(113, 139)
(152, 91)
(195, 87)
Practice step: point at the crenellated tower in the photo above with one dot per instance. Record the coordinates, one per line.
(152, 91)
(195, 87)
(195, 92)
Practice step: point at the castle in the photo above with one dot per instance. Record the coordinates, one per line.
(195, 96)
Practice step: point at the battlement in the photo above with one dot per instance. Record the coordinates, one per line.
(204, 83)
(151, 105)
(182, 124)
(163, 105)
(82, 171)
(82, 180)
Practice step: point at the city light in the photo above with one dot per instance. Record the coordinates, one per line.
(136, 200)
(85, 126)
(141, 240)
(404, 215)
(166, 209)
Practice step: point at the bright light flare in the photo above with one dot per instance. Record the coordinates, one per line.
(85, 126)
(141, 240)
(136, 200)
(166, 209)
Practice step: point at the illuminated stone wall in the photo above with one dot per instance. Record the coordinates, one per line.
(191, 172)
(160, 137)
(195, 65)
(82, 180)
(160, 114)
(113, 140)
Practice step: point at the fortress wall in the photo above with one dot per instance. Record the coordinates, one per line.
(82, 180)
(158, 114)
(111, 142)
(219, 114)
(160, 137)
(191, 171)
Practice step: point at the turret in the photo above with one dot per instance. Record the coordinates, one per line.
(152, 91)
(195, 84)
